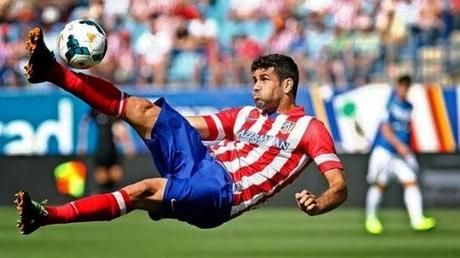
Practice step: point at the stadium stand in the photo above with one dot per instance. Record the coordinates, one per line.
(208, 43)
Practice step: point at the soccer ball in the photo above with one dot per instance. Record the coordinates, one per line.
(82, 43)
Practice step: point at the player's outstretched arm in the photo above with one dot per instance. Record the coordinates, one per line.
(217, 126)
(335, 195)
(400, 147)
(199, 123)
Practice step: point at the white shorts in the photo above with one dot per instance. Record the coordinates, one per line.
(384, 165)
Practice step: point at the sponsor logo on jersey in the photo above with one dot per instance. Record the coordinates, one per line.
(262, 139)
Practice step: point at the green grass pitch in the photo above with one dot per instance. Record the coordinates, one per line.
(262, 233)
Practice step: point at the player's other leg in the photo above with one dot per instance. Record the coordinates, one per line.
(146, 195)
(412, 196)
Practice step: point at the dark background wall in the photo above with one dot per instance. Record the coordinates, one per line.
(440, 179)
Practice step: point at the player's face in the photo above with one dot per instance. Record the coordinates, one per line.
(267, 91)
(402, 90)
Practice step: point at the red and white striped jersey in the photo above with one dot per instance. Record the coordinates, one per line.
(264, 153)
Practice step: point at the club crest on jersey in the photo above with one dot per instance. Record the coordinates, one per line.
(287, 127)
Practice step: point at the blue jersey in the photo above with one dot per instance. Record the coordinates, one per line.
(398, 113)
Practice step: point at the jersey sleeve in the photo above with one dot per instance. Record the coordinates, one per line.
(220, 125)
(318, 144)
(385, 117)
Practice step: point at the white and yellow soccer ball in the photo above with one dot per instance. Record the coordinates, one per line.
(82, 43)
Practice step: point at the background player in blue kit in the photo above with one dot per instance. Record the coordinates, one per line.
(392, 157)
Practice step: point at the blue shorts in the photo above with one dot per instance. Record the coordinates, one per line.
(199, 190)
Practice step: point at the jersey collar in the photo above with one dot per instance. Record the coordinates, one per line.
(296, 111)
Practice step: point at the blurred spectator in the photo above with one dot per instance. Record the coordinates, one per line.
(186, 59)
(393, 34)
(247, 18)
(340, 57)
(319, 39)
(186, 10)
(366, 47)
(51, 26)
(245, 50)
(289, 38)
(408, 11)
(153, 48)
(455, 12)
(204, 30)
(143, 9)
(369, 7)
(117, 9)
(118, 65)
(430, 22)
(320, 7)
(9, 76)
(95, 10)
(345, 12)
(283, 36)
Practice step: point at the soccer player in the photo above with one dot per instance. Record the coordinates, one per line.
(392, 157)
(261, 149)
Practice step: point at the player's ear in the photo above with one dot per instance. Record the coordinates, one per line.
(288, 84)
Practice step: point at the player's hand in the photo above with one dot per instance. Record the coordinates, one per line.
(403, 150)
(412, 162)
(307, 202)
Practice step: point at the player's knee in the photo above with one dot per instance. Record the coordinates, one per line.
(141, 114)
(409, 184)
(380, 186)
(136, 108)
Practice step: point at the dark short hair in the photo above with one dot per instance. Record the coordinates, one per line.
(284, 67)
(405, 79)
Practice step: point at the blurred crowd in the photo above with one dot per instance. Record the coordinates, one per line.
(173, 44)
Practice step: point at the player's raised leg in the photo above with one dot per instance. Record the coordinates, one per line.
(146, 195)
(106, 98)
(100, 94)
